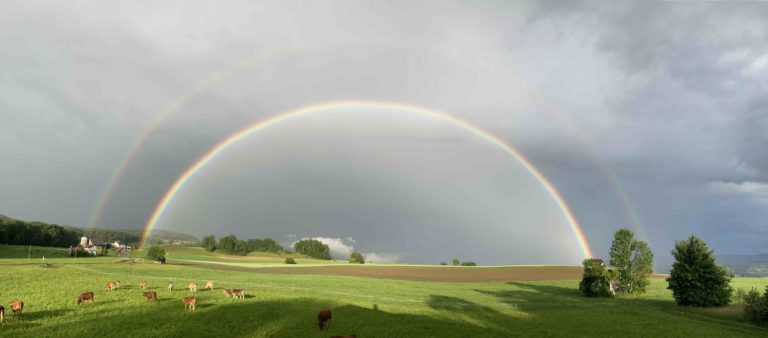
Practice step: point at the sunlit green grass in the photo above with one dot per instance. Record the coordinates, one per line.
(286, 306)
(253, 259)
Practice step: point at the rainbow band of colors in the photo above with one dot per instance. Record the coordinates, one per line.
(315, 108)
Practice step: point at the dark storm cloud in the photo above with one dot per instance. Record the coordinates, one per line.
(671, 96)
(691, 112)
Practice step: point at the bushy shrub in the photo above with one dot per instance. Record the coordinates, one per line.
(468, 264)
(756, 306)
(739, 296)
(290, 260)
(596, 281)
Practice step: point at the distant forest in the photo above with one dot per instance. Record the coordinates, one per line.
(37, 233)
(233, 246)
(18, 232)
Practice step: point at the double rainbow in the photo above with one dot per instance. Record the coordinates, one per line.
(164, 203)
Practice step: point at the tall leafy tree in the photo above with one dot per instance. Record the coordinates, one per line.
(633, 261)
(228, 244)
(695, 279)
(209, 243)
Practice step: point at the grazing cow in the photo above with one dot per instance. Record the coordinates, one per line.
(237, 293)
(85, 296)
(143, 285)
(324, 319)
(16, 307)
(209, 285)
(193, 287)
(190, 302)
(110, 286)
(2, 313)
(151, 295)
(170, 286)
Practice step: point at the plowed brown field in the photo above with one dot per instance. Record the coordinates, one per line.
(427, 273)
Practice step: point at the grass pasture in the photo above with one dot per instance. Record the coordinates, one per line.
(285, 305)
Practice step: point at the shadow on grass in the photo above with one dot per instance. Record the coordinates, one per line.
(37, 315)
(290, 318)
(488, 316)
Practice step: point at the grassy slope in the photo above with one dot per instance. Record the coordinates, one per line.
(285, 306)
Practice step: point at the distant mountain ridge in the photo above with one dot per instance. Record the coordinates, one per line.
(746, 265)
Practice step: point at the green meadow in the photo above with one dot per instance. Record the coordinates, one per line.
(278, 305)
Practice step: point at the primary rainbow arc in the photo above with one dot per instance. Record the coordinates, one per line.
(320, 107)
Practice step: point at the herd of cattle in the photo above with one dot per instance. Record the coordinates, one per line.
(323, 317)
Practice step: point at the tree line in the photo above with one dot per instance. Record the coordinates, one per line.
(18, 232)
(233, 246)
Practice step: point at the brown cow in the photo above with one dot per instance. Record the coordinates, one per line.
(143, 285)
(84, 297)
(110, 286)
(16, 307)
(193, 287)
(209, 285)
(170, 286)
(324, 318)
(2, 313)
(237, 293)
(190, 302)
(151, 295)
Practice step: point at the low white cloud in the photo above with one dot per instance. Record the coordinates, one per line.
(339, 249)
(373, 257)
(342, 248)
(752, 189)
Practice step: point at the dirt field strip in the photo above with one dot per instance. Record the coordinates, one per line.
(435, 274)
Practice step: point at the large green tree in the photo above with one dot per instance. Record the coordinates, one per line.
(209, 243)
(356, 257)
(633, 261)
(313, 248)
(227, 244)
(695, 279)
(155, 253)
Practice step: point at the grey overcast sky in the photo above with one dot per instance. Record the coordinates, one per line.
(663, 102)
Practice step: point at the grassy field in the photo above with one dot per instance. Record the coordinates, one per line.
(283, 305)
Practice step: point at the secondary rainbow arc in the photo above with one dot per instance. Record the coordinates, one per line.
(167, 198)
